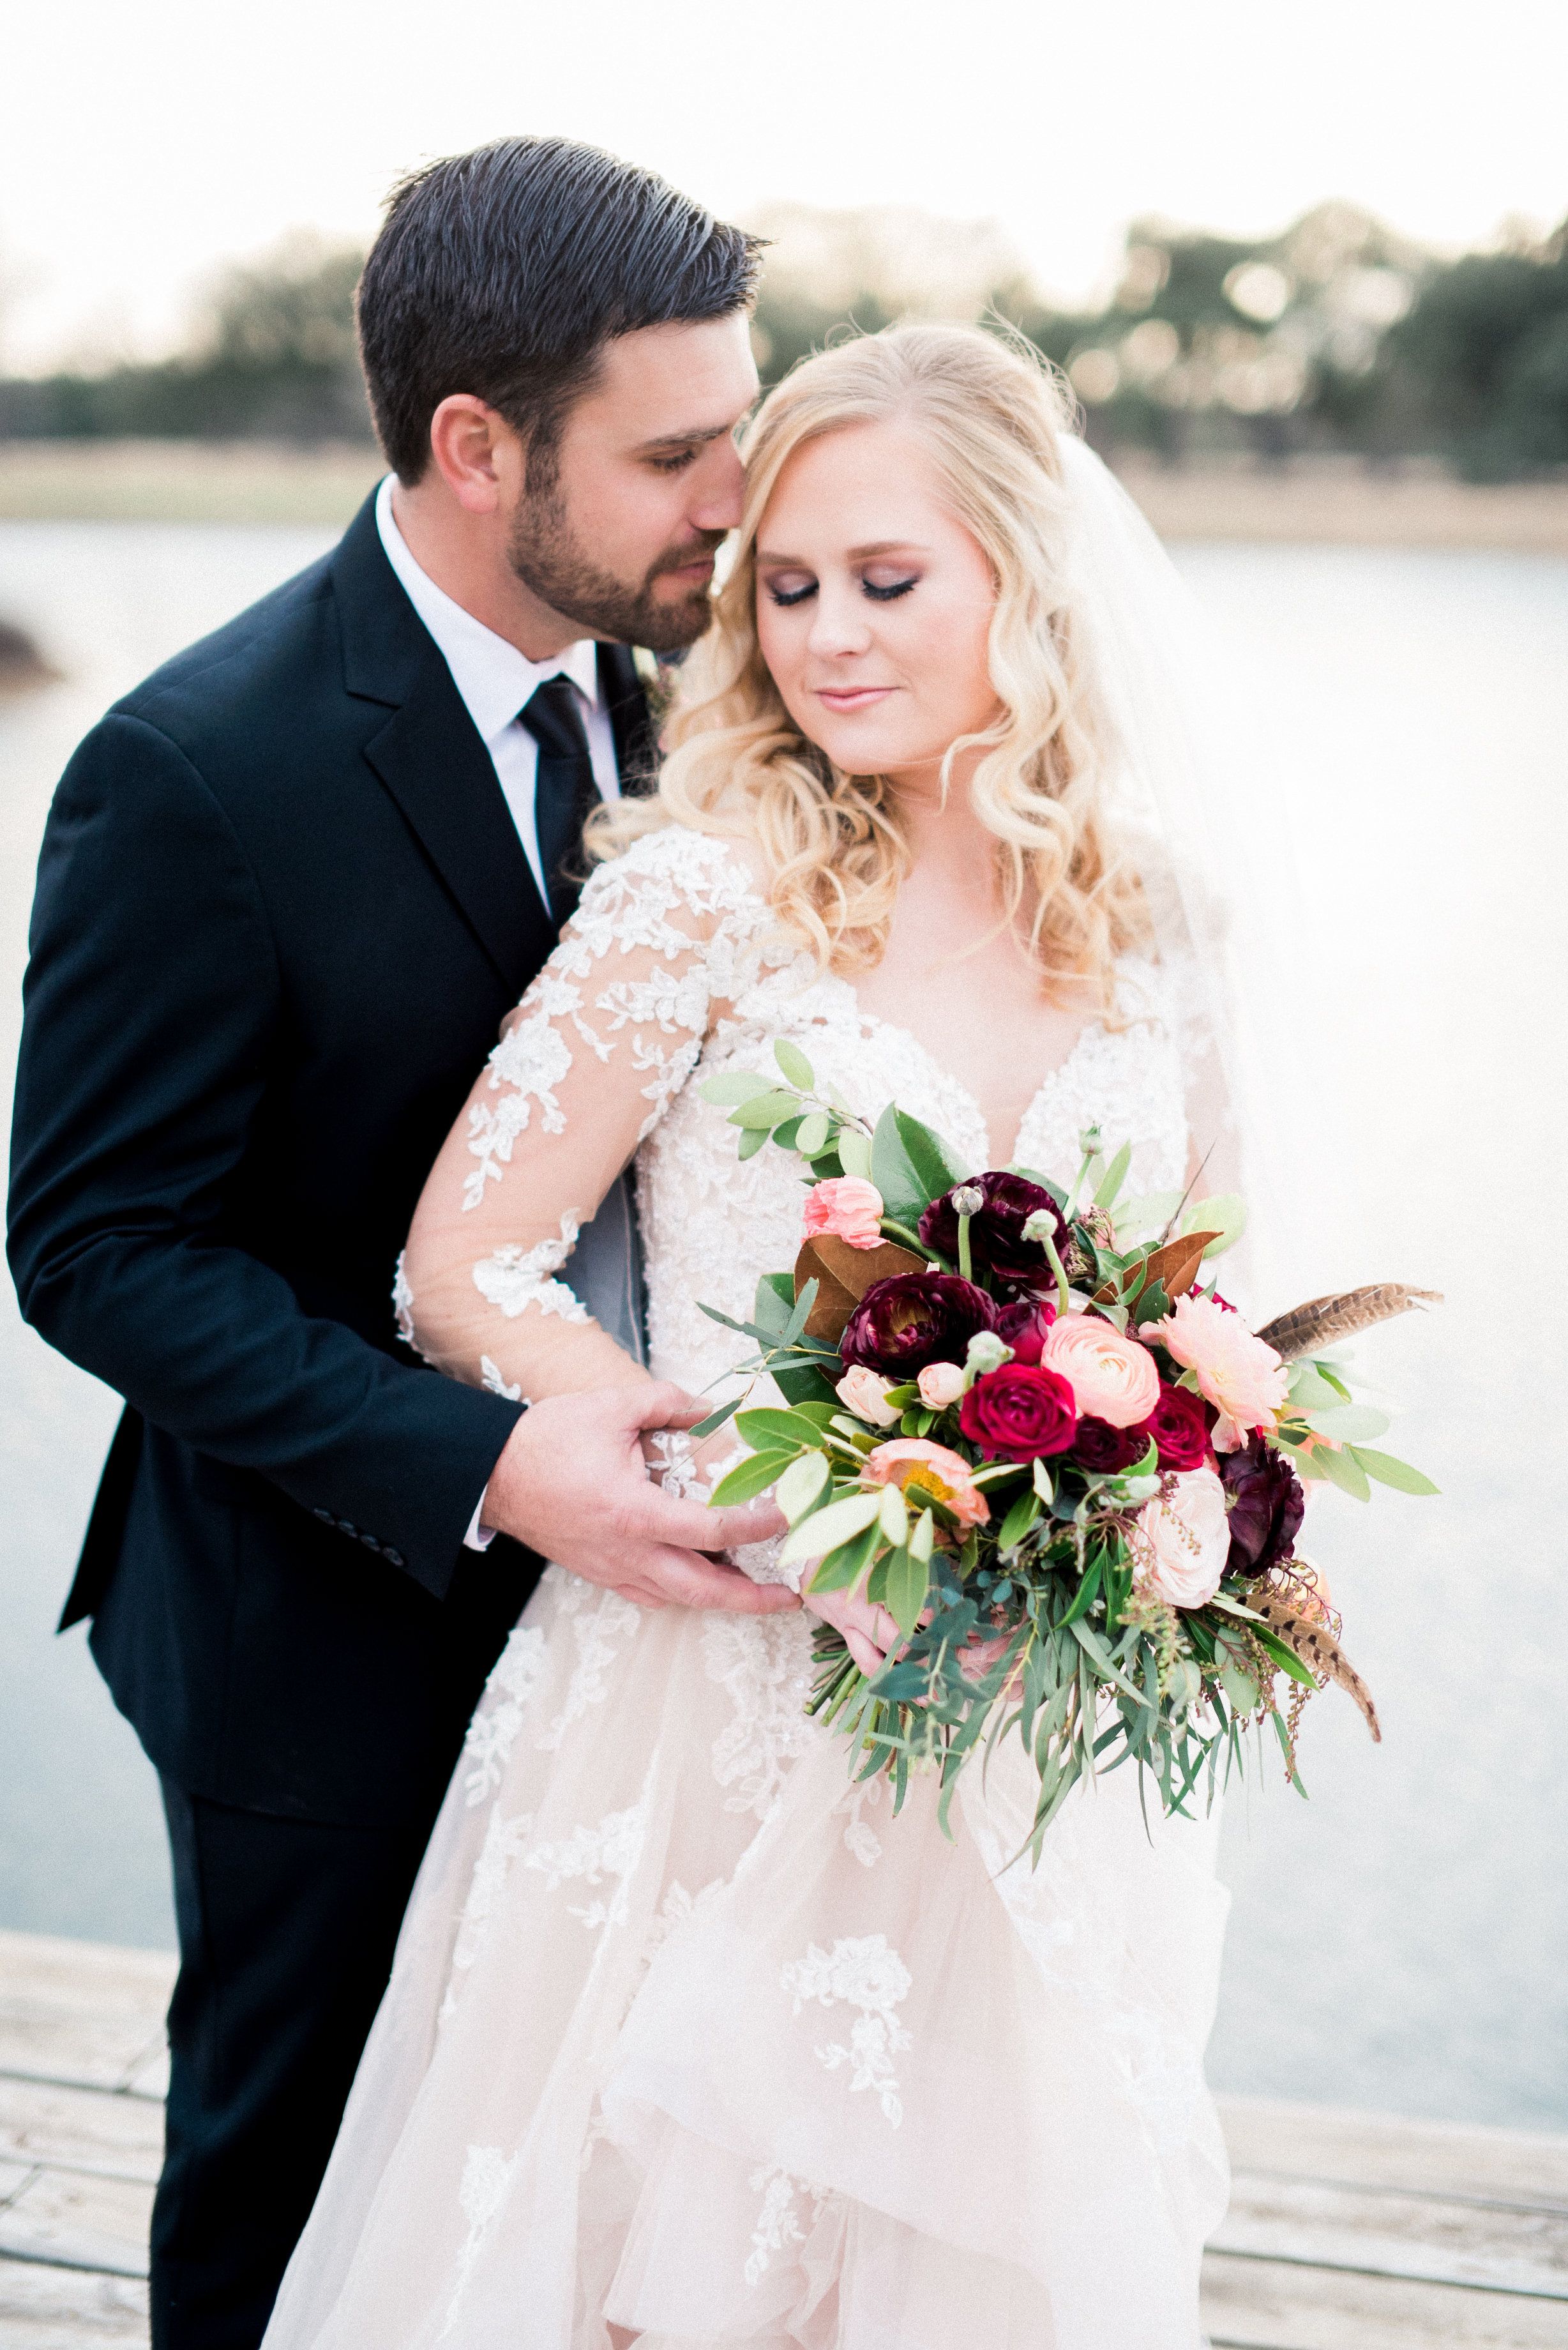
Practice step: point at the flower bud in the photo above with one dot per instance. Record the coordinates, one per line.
(968, 1199)
(987, 1352)
(941, 1383)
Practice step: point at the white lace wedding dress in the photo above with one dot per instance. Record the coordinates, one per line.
(684, 2033)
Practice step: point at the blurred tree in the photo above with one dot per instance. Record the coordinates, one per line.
(1482, 361)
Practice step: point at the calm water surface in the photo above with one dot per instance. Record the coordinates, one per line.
(1401, 1940)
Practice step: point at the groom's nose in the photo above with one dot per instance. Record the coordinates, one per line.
(718, 482)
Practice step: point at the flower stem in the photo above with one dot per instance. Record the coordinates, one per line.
(898, 1232)
(966, 1265)
(1054, 1261)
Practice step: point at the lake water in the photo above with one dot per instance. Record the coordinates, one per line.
(1401, 1940)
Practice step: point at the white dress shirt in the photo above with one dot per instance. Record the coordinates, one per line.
(495, 679)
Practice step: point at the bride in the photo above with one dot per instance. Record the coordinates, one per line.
(689, 2041)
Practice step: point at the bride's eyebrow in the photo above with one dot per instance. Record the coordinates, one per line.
(856, 553)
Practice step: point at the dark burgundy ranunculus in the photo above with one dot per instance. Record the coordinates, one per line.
(996, 1232)
(913, 1319)
(1023, 1326)
(1265, 1501)
(1018, 1413)
(1103, 1450)
(1179, 1425)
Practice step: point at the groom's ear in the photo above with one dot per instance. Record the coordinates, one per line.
(481, 458)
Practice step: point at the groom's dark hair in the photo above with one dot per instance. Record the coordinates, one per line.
(504, 272)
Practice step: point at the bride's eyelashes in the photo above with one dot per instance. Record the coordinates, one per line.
(786, 596)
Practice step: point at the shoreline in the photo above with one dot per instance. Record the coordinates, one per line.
(1310, 501)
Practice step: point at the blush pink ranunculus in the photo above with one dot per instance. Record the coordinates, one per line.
(925, 1472)
(1112, 1378)
(1180, 1543)
(941, 1383)
(865, 1393)
(1240, 1374)
(848, 1207)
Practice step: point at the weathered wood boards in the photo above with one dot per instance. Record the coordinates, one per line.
(1347, 2232)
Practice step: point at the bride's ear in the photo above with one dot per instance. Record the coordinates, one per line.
(479, 456)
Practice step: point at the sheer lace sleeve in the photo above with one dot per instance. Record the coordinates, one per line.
(603, 1040)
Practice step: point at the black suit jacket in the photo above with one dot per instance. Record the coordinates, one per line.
(282, 909)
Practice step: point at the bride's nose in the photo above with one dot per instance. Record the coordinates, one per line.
(840, 623)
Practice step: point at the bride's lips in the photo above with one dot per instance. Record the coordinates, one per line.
(853, 697)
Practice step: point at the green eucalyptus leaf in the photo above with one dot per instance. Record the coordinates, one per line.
(1342, 1468)
(778, 1432)
(826, 1529)
(786, 1135)
(1225, 1213)
(801, 1483)
(1115, 1176)
(811, 1136)
(794, 1065)
(767, 1110)
(733, 1085)
(937, 1165)
(1397, 1473)
(907, 1584)
(1149, 1213)
(1019, 1520)
(749, 1477)
(751, 1141)
(1347, 1423)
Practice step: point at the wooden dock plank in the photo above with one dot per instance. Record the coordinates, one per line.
(1279, 2140)
(82, 2129)
(1504, 2247)
(69, 2309)
(1274, 2305)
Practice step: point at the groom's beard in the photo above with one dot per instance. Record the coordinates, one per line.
(553, 566)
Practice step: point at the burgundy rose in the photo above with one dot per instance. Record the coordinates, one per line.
(1265, 1498)
(913, 1319)
(1023, 1326)
(1018, 1413)
(1104, 1450)
(996, 1239)
(1179, 1425)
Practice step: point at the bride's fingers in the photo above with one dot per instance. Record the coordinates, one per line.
(870, 1659)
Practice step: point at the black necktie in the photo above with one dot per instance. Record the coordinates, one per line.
(565, 792)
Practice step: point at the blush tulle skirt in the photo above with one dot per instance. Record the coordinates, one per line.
(689, 2037)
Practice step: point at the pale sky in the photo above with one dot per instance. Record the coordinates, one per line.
(140, 145)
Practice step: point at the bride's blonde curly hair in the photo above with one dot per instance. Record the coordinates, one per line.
(989, 414)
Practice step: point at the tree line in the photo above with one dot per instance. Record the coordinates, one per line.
(1337, 335)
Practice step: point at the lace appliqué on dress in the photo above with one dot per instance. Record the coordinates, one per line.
(515, 1278)
(864, 1972)
(763, 1662)
(777, 2224)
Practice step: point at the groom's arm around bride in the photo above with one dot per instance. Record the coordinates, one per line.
(290, 887)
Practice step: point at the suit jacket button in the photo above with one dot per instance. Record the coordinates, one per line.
(394, 1558)
(347, 1527)
(325, 1516)
(369, 1542)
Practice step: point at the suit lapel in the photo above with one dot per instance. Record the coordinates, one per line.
(431, 759)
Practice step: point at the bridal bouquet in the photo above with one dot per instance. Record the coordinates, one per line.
(1026, 1423)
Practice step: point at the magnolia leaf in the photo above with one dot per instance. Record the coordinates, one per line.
(842, 1275)
(826, 1529)
(769, 1109)
(751, 1477)
(1225, 1216)
(854, 1152)
(1390, 1472)
(794, 1065)
(801, 1483)
(733, 1085)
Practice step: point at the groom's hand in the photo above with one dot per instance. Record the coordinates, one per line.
(573, 1484)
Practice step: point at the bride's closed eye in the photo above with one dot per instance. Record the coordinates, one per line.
(878, 592)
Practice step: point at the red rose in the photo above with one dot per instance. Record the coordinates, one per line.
(1104, 1450)
(1179, 1426)
(1018, 1413)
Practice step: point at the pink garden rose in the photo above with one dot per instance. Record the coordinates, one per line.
(1112, 1378)
(865, 1393)
(1180, 1541)
(923, 1472)
(848, 1207)
(1240, 1374)
(941, 1383)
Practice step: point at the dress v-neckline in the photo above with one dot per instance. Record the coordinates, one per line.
(1053, 1077)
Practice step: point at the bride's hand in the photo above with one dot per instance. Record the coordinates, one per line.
(870, 1634)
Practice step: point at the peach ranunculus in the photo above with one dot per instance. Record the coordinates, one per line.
(1113, 1378)
(848, 1207)
(1239, 1373)
(865, 1393)
(1180, 1543)
(941, 1383)
(925, 1472)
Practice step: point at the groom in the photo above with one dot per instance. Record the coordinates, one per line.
(289, 888)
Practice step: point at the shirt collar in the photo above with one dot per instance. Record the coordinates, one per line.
(492, 677)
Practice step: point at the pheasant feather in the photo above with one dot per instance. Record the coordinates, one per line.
(1307, 1637)
(1322, 1321)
